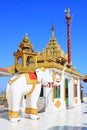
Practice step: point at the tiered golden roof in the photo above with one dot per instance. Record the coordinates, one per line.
(53, 52)
(25, 57)
(25, 44)
(26, 60)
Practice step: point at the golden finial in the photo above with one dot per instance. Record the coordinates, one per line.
(67, 11)
(26, 39)
(53, 31)
(52, 27)
(26, 35)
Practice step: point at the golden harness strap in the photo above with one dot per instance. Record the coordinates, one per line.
(18, 76)
(13, 80)
(31, 91)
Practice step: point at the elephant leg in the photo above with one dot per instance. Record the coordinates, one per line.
(14, 113)
(23, 105)
(9, 99)
(31, 109)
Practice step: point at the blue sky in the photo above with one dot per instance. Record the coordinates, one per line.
(35, 17)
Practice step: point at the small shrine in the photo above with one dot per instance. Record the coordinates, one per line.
(25, 57)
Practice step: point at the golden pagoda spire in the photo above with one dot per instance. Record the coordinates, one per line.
(53, 31)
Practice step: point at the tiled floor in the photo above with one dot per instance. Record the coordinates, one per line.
(69, 119)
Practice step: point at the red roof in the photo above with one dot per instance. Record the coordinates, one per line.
(3, 70)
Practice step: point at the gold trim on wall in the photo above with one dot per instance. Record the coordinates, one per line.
(75, 100)
(58, 104)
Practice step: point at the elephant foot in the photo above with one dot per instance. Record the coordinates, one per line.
(26, 115)
(34, 117)
(15, 119)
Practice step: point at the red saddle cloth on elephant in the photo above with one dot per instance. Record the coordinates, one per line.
(31, 78)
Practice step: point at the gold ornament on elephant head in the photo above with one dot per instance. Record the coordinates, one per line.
(43, 69)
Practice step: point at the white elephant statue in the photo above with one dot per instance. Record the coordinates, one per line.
(18, 87)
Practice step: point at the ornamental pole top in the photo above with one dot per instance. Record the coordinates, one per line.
(67, 11)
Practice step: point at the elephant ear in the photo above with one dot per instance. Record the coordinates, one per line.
(37, 70)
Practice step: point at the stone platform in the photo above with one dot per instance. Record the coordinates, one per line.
(69, 119)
